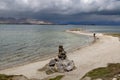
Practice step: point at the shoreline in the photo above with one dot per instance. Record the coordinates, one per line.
(48, 56)
(86, 59)
(37, 60)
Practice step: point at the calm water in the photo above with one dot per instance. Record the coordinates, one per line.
(26, 43)
(21, 44)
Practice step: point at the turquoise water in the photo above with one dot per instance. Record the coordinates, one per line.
(21, 44)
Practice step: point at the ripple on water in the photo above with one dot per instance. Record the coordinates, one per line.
(20, 45)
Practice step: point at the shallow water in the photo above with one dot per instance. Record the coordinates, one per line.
(21, 44)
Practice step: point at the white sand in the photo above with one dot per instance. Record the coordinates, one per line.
(105, 50)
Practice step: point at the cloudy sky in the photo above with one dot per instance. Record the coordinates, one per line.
(63, 11)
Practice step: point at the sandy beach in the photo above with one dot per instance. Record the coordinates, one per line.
(105, 50)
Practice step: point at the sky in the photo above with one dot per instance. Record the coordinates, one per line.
(63, 11)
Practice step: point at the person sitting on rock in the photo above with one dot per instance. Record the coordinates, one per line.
(62, 53)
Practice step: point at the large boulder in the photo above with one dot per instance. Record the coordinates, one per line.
(65, 65)
(61, 65)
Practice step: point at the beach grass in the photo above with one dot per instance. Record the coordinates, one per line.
(105, 73)
(57, 77)
(5, 77)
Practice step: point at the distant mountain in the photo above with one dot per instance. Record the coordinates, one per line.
(93, 23)
(10, 20)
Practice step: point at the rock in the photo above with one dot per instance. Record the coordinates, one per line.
(52, 62)
(62, 53)
(114, 79)
(87, 78)
(65, 65)
(52, 69)
(68, 65)
(60, 64)
(59, 67)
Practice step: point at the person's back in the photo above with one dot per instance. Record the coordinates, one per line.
(94, 35)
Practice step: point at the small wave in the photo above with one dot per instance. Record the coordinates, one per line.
(21, 48)
(36, 45)
(5, 45)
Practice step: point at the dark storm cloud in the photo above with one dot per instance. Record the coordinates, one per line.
(65, 10)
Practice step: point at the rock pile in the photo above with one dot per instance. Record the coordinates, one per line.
(61, 63)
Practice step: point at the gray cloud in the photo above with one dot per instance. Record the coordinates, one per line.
(61, 9)
(60, 6)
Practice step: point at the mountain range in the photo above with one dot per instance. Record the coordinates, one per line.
(11, 20)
